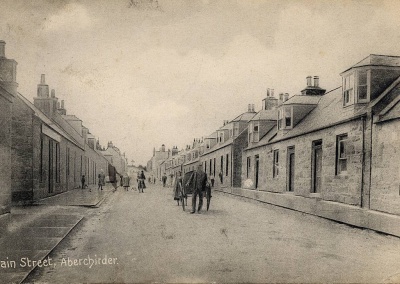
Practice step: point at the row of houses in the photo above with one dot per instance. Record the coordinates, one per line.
(312, 150)
(44, 151)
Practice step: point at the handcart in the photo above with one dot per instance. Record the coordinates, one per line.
(188, 190)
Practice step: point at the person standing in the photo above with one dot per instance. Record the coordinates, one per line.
(125, 181)
(141, 184)
(178, 185)
(199, 179)
(83, 181)
(101, 176)
(164, 180)
(212, 179)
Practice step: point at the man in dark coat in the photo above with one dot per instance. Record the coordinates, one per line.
(199, 179)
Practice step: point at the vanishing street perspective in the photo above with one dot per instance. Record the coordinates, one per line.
(199, 142)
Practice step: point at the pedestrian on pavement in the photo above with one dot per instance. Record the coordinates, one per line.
(212, 179)
(221, 176)
(199, 179)
(164, 180)
(101, 177)
(177, 186)
(83, 181)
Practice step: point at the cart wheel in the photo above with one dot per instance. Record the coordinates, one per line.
(208, 198)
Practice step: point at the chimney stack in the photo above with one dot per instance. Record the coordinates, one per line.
(268, 92)
(8, 71)
(2, 48)
(249, 108)
(252, 108)
(309, 81)
(62, 104)
(272, 92)
(286, 97)
(53, 93)
(58, 105)
(316, 81)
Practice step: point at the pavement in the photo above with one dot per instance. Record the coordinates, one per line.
(29, 233)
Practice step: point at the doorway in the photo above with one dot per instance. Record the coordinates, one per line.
(290, 169)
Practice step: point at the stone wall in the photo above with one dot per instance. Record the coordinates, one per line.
(343, 188)
(385, 175)
(5, 152)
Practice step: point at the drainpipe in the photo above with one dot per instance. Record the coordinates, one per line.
(370, 162)
(362, 162)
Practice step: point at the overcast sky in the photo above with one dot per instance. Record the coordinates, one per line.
(142, 73)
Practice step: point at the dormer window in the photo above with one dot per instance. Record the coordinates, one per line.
(348, 90)
(362, 86)
(285, 117)
(235, 129)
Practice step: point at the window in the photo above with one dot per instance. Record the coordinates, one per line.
(58, 164)
(227, 165)
(348, 86)
(222, 165)
(341, 154)
(67, 162)
(236, 129)
(285, 116)
(275, 166)
(41, 159)
(362, 86)
(248, 166)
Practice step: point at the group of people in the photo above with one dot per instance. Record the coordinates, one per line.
(199, 182)
(101, 177)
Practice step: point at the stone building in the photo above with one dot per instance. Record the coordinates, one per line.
(115, 158)
(222, 155)
(339, 146)
(153, 165)
(8, 90)
(50, 153)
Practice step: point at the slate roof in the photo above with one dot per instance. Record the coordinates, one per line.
(378, 60)
(49, 122)
(329, 111)
(246, 116)
(271, 114)
(303, 100)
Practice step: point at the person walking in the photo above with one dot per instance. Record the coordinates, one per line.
(101, 177)
(125, 181)
(199, 178)
(178, 186)
(164, 180)
(83, 181)
(212, 179)
(141, 179)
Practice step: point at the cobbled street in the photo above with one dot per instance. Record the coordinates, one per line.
(146, 237)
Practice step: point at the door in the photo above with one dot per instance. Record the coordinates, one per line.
(257, 163)
(290, 169)
(51, 167)
(316, 167)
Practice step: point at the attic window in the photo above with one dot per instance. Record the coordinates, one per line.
(363, 86)
(348, 87)
(285, 118)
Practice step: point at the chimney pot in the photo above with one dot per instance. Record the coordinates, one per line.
(281, 96)
(268, 92)
(62, 104)
(42, 79)
(2, 48)
(309, 81)
(58, 105)
(252, 107)
(249, 108)
(53, 93)
(316, 81)
(272, 92)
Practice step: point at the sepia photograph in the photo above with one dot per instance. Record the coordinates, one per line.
(199, 141)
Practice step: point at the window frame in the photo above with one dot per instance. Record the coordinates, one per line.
(275, 164)
(348, 89)
(365, 85)
(341, 139)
